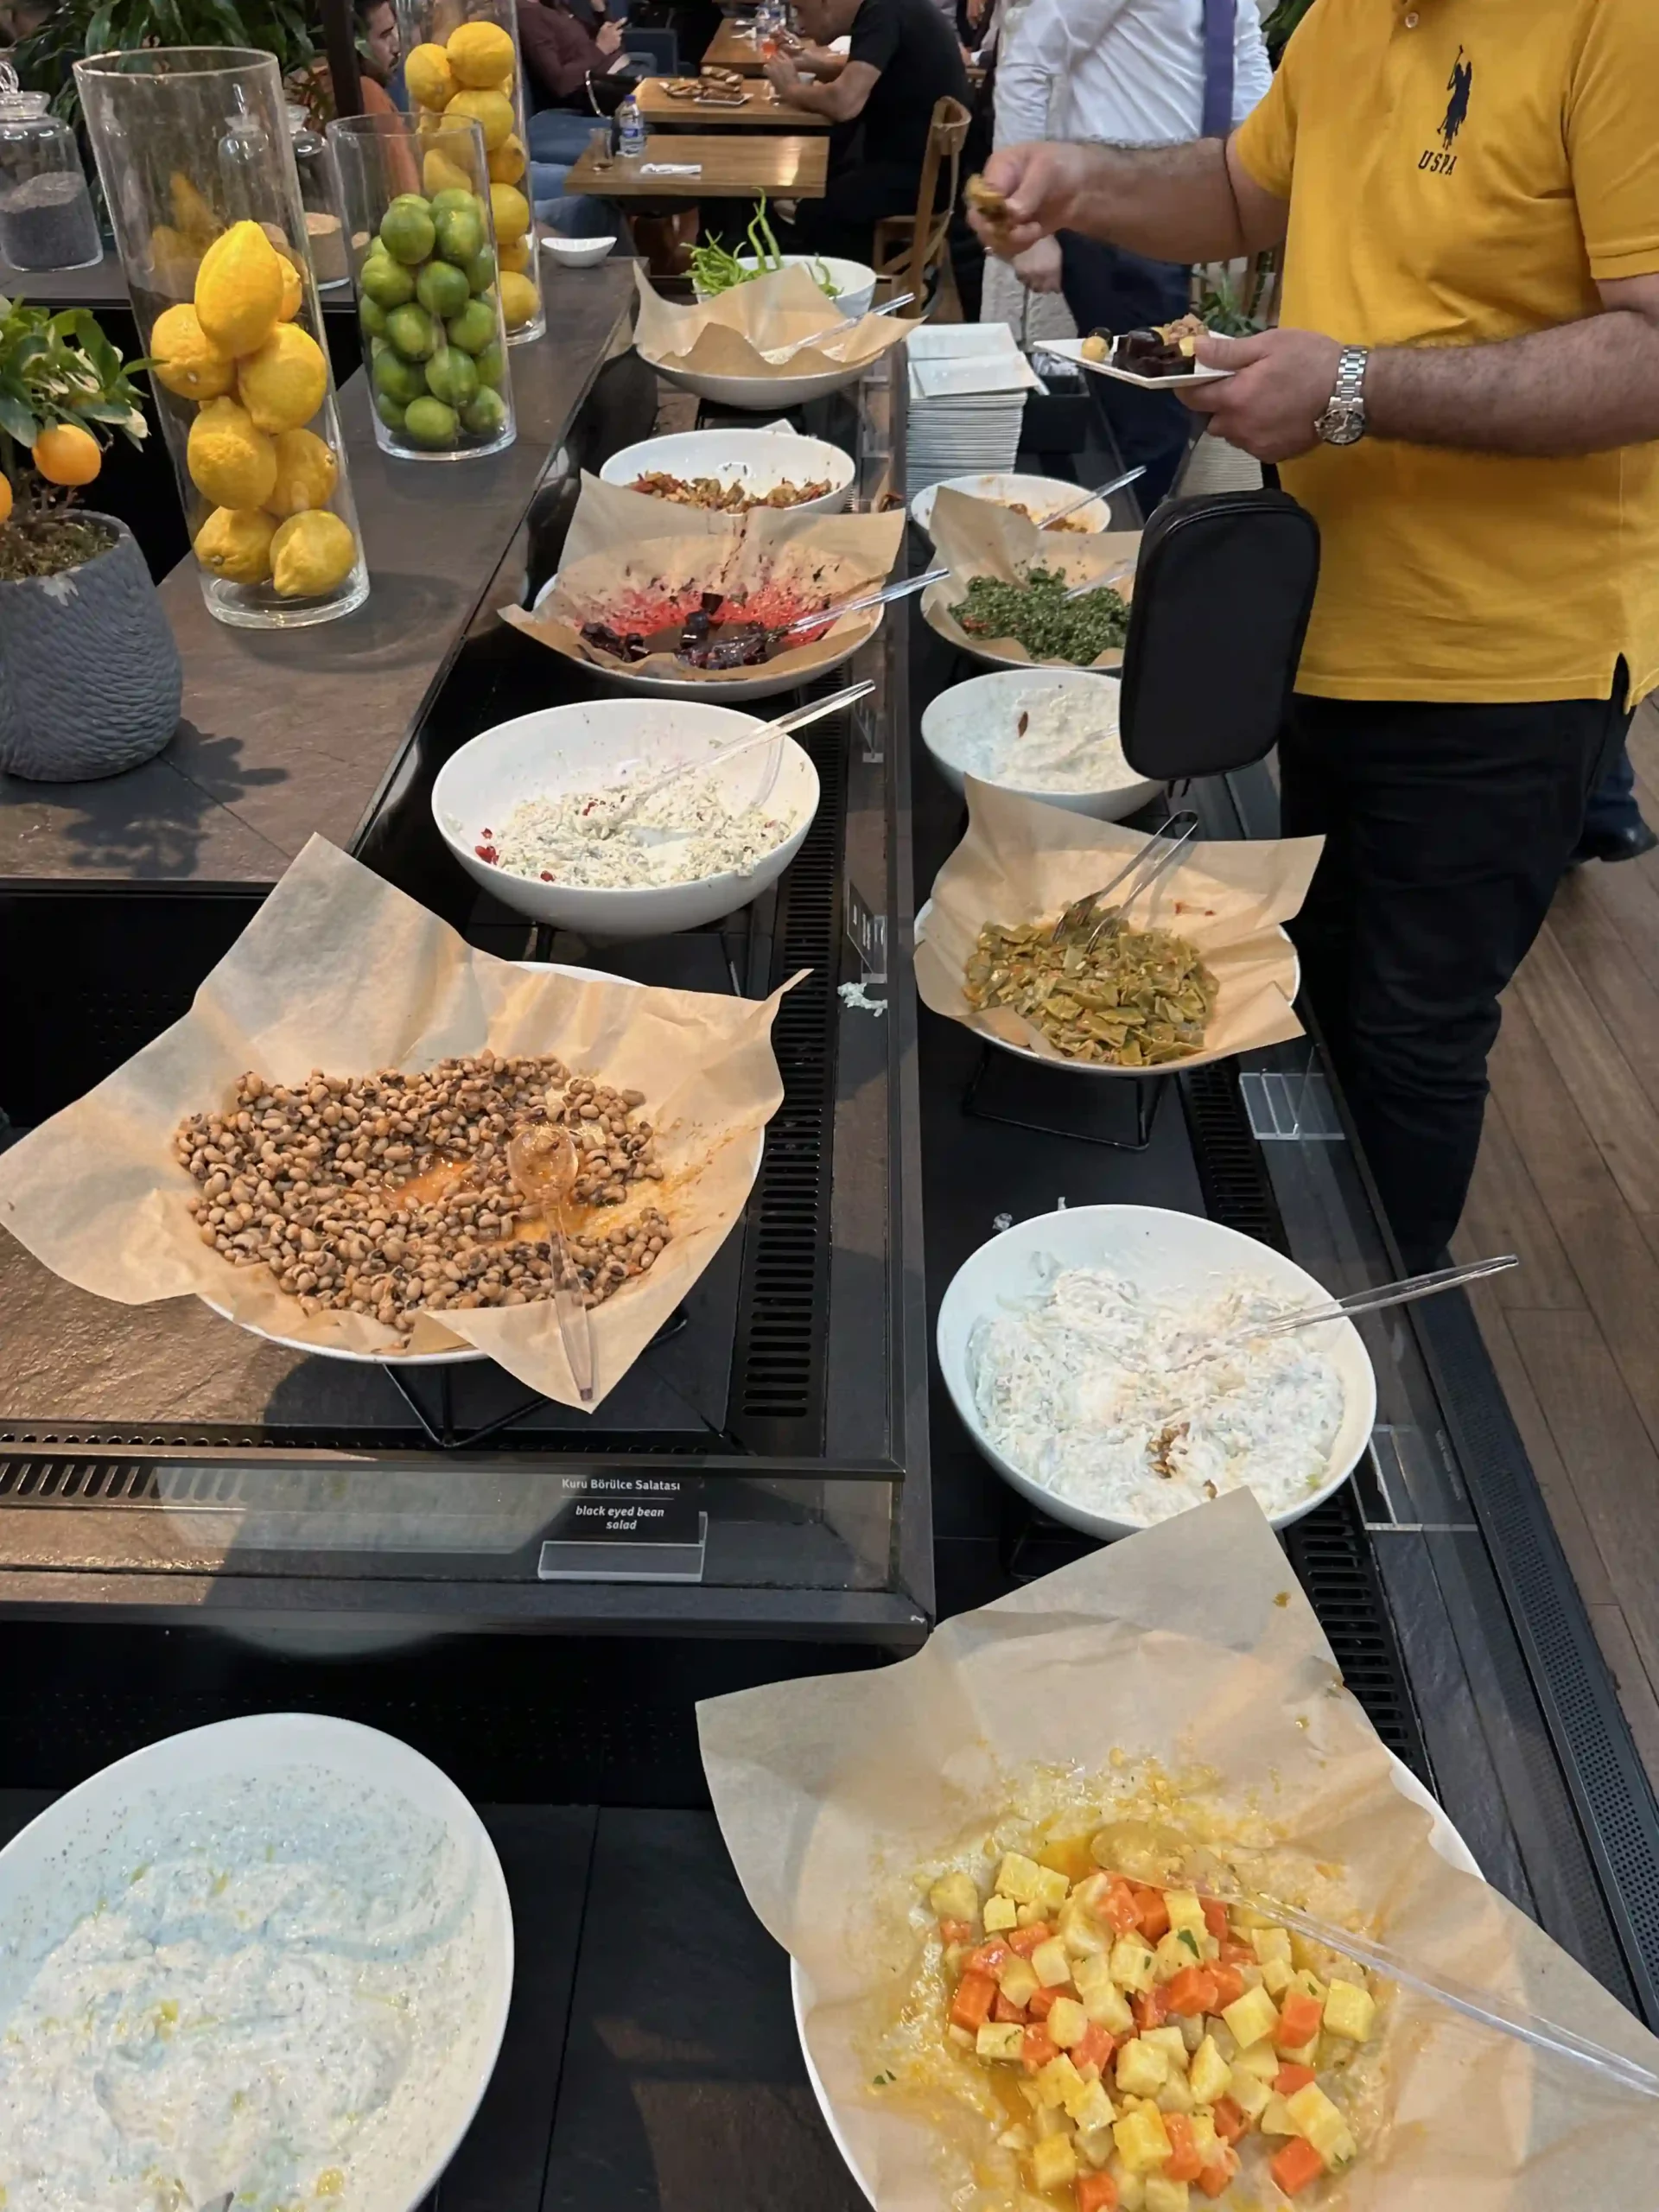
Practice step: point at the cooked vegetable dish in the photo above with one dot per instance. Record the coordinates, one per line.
(1038, 615)
(1099, 991)
(716, 496)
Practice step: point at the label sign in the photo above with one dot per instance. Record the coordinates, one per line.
(629, 1527)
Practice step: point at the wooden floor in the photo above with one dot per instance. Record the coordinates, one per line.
(1569, 1178)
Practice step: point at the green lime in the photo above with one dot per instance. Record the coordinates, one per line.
(480, 269)
(451, 376)
(386, 282)
(430, 423)
(453, 195)
(413, 332)
(398, 379)
(461, 232)
(441, 288)
(490, 363)
(406, 231)
(473, 328)
(389, 411)
(484, 413)
(372, 316)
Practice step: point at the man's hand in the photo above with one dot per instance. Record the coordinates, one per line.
(782, 76)
(1282, 384)
(1040, 184)
(1038, 267)
(608, 37)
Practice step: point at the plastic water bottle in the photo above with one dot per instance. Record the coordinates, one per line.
(631, 135)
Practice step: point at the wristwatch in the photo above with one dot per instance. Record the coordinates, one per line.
(1343, 422)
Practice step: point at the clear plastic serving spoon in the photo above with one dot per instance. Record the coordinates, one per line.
(1339, 1309)
(542, 1161)
(798, 718)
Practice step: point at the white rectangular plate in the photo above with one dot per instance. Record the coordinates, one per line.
(1071, 349)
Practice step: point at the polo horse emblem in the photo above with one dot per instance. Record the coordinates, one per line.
(1457, 108)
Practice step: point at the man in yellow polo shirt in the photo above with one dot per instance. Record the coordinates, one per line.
(1464, 392)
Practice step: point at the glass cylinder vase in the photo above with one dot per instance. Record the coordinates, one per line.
(462, 57)
(46, 209)
(424, 255)
(198, 170)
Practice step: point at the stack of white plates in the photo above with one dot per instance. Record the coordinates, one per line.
(968, 386)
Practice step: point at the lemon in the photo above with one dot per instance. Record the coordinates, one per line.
(186, 358)
(5, 500)
(312, 553)
(519, 299)
(66, 453)
(307, 472)
(229, 462)
(239, 288)
(479, 54)
(190, 210)
(235, 544)
(491, 111)
(506, 164)
(281, 385)
(293, 290)
(439, 174)
(174, 259)
(429, 76)
(516, 257)
(512, 212)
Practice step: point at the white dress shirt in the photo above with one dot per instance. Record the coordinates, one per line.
(1125, 72)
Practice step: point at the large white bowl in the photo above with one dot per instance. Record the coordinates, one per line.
(855, 281)
(1042, 495)
(1170, 1253)
(948, 723)
(1443, 1839)
(585, 748)
(757, 460)
(86, 1820)
(575, 253)
(758, 394)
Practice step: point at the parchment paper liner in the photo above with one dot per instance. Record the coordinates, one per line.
(776, 327)
(1020, 861)
(1190, 1643)
(621, 541)
(981, 538)
(339, 970)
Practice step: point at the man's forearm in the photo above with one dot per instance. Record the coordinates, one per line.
(1169, 203)
(828, 100)
(1583, 388)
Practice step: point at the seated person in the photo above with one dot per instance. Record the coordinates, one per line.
(880, 97)
(561, 54)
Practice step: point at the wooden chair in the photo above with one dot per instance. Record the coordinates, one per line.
(908, 248)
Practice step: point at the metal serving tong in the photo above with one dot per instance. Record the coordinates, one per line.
(796, 718)
(1158, 854)
(1339, 1309)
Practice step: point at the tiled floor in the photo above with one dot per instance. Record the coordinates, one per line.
(1569, 1178)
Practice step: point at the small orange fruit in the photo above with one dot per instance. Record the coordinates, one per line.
(5, 501)
(66, 454)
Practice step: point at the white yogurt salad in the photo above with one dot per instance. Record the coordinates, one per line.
(1054, 737)
(259, 1987)
(1074, 1386)
(683, 834)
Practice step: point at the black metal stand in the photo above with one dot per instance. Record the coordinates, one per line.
(1076, 1100)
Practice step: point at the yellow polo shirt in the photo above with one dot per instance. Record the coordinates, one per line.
(1461, 171)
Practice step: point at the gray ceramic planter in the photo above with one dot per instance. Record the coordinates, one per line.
(89, 680)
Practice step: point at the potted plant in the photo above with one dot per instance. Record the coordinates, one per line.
(91, 680)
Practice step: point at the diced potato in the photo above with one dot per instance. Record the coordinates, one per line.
(1348, 2010)
(961, 2036)
(1276, 1976)
(1094, 2146)
(1052, 1964)
(1271, 1943)
(1142, 2068)
(1104, 2001)
(1000, 2039)
(1184, 1910)
(1028, 1916)
(1017, 1979)
(1209, 2072)
(1050, 2120)
(1176, 2095)
(1305, 2054)
(1321, 2121)
(1205, 2141)
(1093, 2111)
(1174, 1953)
(1084, 1936)
(1052, 1889)
(955, 1897)
(1169, 2039)
(1165, 2196)
(1131, 1963)
(999, 1914)
(1251, 2016)
(1067, 2022)
(1226, 2041)
(1192, 2028)
(1060, 2082)
(1053, 2163)
(1309, 1984)
(1014, 2138)
(1131, 2186)
(1019, 1878)
(1274, 2118)
(1249, 2092)
(1261, 2059)
(1142, 2139)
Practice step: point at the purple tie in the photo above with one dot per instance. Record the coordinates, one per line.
(1219, 18)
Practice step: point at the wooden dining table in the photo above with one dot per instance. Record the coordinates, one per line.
(762, 110)
(724, 165)
(732, 49)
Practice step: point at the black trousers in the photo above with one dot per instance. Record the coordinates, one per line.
(1447, 830)
(1108, 289)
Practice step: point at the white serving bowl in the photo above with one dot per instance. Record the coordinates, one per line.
(575, 253)
(87, 1819)
(585, 748)
(951, 721)
(1173, 1253)
(855, 281)
(1042, 495)
(757, 460)
(757, 394)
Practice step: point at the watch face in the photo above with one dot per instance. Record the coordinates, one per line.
(1343, 422)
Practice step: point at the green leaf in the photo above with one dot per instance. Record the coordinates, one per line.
(100, 35)
(17, 421)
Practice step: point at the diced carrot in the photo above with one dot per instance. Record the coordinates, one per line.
(1289, 2079)
(1215, 1917)
(1117, 1907)
(1097, 2193)
(1299, 2020)
(1230, 1988)
(1026, 1940)
(1230, 2119)
(1190, 1992)
(1095, 2049)
(1002, 2010)
(1153, 1914)
(1297, 2164)
(987, 1958)
(971, 2005)
(1216, 2178)
(1038, 2048)
(1041, 2002)
(1236, 1954)
(956, 1931)
(1149, 2008)
(1182, 2164)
